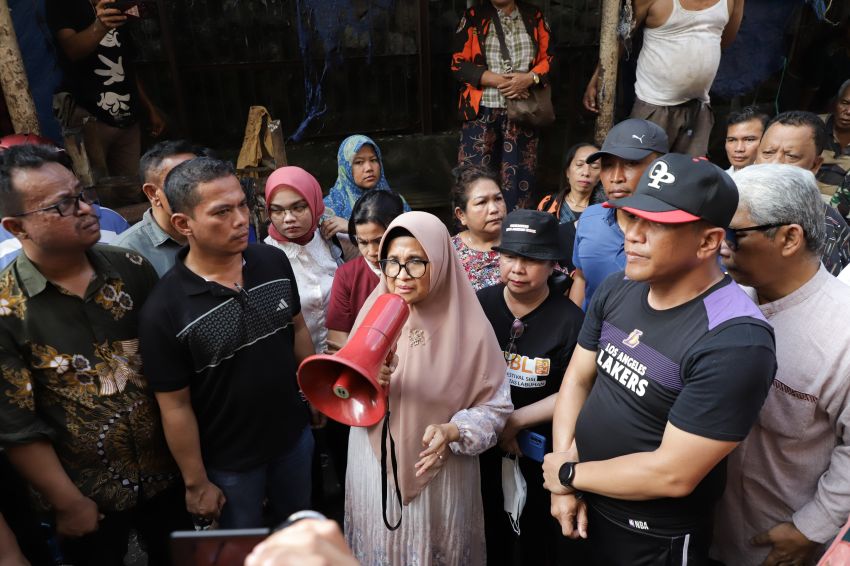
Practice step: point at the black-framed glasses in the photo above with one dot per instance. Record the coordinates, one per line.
(517, 328)
(297, 210)
(732, 233)
(69, 206)
(415, 268)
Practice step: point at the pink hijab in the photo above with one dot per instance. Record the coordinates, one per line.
(304, 184)
(449, 357)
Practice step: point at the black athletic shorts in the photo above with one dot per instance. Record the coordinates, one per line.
(610, 544)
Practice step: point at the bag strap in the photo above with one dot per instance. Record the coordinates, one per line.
(385, 431)
(503, 46)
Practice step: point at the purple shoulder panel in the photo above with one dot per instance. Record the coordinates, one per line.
(727, 303)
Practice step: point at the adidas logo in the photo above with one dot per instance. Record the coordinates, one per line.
(281, 305)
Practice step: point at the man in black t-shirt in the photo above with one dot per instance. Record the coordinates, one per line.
(671, 369)
(98, 59)
(221, 337)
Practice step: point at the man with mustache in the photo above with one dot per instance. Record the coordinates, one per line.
(77, 418)
(222, 336)
(629, 148)
(672, 366)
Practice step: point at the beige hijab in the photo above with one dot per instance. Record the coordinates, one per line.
(449, 358)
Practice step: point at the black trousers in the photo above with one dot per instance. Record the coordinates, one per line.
(154, 520)
(541, 542)
(610, 544)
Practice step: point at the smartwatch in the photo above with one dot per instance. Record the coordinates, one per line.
(567, 473)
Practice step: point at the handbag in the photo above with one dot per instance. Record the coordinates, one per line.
(536, 111)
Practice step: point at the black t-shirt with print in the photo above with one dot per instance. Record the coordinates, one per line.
(544, 349)
(234, 350)
(705, 366)
(104, 82)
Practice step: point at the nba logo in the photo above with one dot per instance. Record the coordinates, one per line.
(633, 339)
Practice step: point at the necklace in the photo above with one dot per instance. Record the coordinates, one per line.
(575, 205)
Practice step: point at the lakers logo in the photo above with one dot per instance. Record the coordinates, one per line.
(633, 339)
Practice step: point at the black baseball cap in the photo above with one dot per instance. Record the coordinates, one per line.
(533, 234)
(633, 139)
(678, 188)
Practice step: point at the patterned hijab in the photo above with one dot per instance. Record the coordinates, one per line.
(345, 193)
(304, 184)
(449, 358)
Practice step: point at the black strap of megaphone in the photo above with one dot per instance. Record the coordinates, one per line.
(385, 432)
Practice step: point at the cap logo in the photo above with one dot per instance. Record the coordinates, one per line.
(660, 174)
(639, 138)
(520, 228)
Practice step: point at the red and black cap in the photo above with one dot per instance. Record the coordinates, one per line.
(678, 188)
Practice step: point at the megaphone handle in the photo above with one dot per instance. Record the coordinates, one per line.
(385, 431)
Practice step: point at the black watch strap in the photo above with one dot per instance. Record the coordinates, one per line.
(567, 473)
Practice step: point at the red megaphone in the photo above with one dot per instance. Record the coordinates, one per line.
(344, 386)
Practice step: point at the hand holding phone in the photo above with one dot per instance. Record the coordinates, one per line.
(109, 15)
(533, 445)
(134, 9)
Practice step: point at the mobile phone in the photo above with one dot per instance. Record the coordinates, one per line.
(140, 9)
(215, 548)
(533, 445)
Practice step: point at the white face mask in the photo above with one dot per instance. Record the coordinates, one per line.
(513, 489)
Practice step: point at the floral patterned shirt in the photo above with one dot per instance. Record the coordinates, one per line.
(482, 268)
(70, 372)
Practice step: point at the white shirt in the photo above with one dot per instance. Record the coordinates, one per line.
(314, 265)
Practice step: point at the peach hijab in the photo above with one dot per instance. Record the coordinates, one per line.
(449, 357)
(304, 184)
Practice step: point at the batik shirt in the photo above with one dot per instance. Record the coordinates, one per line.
(70, 373)
(482, 268)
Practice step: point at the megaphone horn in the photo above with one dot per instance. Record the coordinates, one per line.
(344, 386)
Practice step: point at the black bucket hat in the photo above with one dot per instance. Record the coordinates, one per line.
(532, 234)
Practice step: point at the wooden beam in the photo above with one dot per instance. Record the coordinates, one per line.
(13, 77)
(609, 57)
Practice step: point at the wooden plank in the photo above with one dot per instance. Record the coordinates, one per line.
(13, 77)
(609, 58)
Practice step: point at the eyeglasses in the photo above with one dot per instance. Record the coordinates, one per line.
(517, 328)
(415, 268)
(69, 206)
(732, 233)
(298, 209)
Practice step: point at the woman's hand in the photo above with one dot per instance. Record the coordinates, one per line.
(436, 442)
(516, 86)
(387, 369)
(332, 226)
(507, 440)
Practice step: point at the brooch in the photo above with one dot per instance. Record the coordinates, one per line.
(416, 337)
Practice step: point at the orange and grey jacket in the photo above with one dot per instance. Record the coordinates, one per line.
(469, 61)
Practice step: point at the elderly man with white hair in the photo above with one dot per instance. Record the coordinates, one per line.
(788, 486)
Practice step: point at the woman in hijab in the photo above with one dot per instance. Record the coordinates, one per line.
(360, 168)
(448, 399)
(294, 205)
